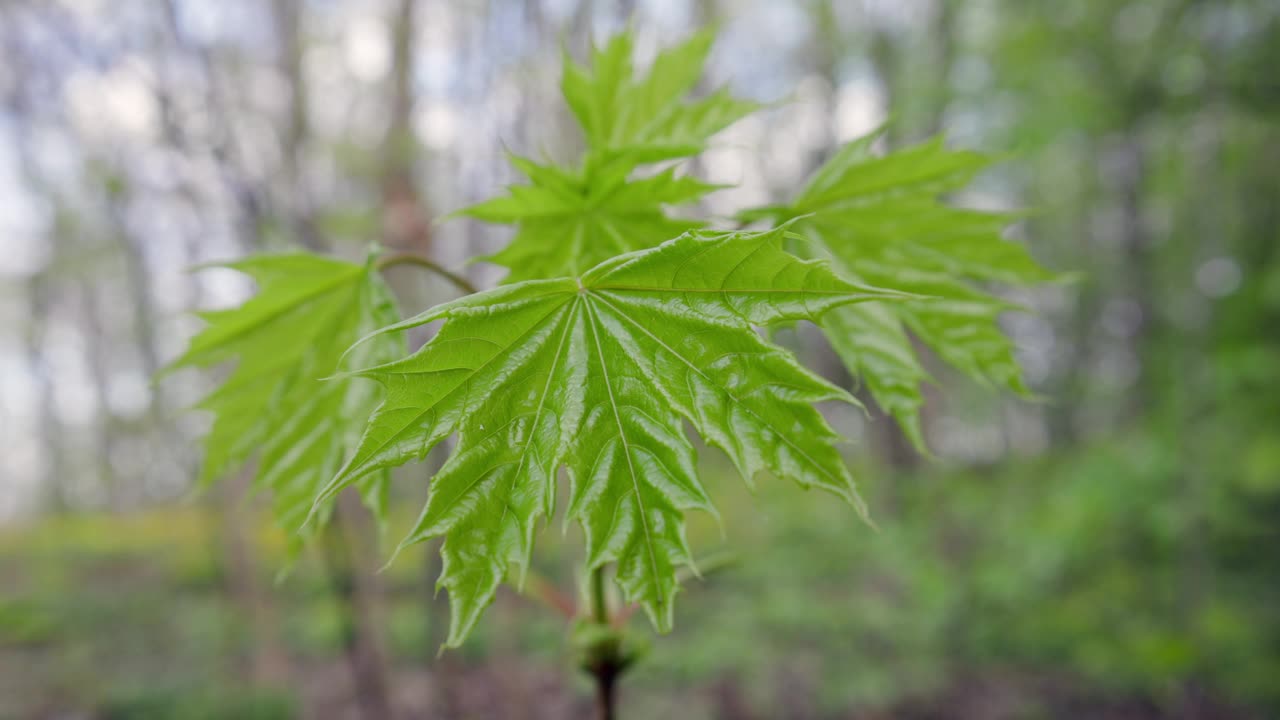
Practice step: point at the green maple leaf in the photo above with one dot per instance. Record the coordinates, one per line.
(274, 403)
(878, 218)
(598, 374)
(570, 220)
(647, 119)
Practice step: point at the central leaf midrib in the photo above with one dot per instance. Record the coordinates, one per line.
(542, 402)
(626, 450)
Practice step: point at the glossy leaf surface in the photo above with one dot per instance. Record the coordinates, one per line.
(598, 374)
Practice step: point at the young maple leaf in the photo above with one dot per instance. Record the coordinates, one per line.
(643, 120)
(878, 218)
(284, 340)
(598, 373)
(569, 220)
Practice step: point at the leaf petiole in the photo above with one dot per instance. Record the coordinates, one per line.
(392, 260)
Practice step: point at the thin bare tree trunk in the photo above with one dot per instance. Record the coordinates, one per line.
(406, 222)
(98, 351)
(356, 593)
(138, 288)
(252, 205)
(39, 292)
(406, 227)
(1138, 267)
(1068, 392)
(289, 15)
(53, 478)
(942, 39)
(269, 664)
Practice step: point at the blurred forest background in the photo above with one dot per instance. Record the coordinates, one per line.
(1110, 549)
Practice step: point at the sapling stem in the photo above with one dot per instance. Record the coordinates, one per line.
(606, 662)
(599, 604)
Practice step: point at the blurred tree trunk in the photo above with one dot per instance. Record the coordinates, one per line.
(826, 52)
(347, 540)
(1207, 198)
(138, 279)
(1131, 80)
(884, 52)
(941, 39)
(406, 221)
(251, 204)
(356, 591)
(232, 515)
(1139, 272)
(53, 457)
(98, 354)
(406, 227)
(54, 495)
(728, 700)
(289, 16)
(269, 662)
(1072, 236)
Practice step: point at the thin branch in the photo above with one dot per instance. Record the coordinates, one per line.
(427, 264)
(549, 595)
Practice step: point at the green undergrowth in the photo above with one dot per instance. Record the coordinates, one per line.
(1063, 566)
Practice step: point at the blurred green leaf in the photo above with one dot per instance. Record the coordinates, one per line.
(878, 217)
(570, 220)
(568, 223)
(643, 120)
(276, 403)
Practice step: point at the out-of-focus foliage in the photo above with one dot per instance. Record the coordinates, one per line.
(1040, 593)
(879, 219)
(277, 405)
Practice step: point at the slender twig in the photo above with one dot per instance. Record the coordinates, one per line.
(620, 620)
(428, 264)
(546, 593)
